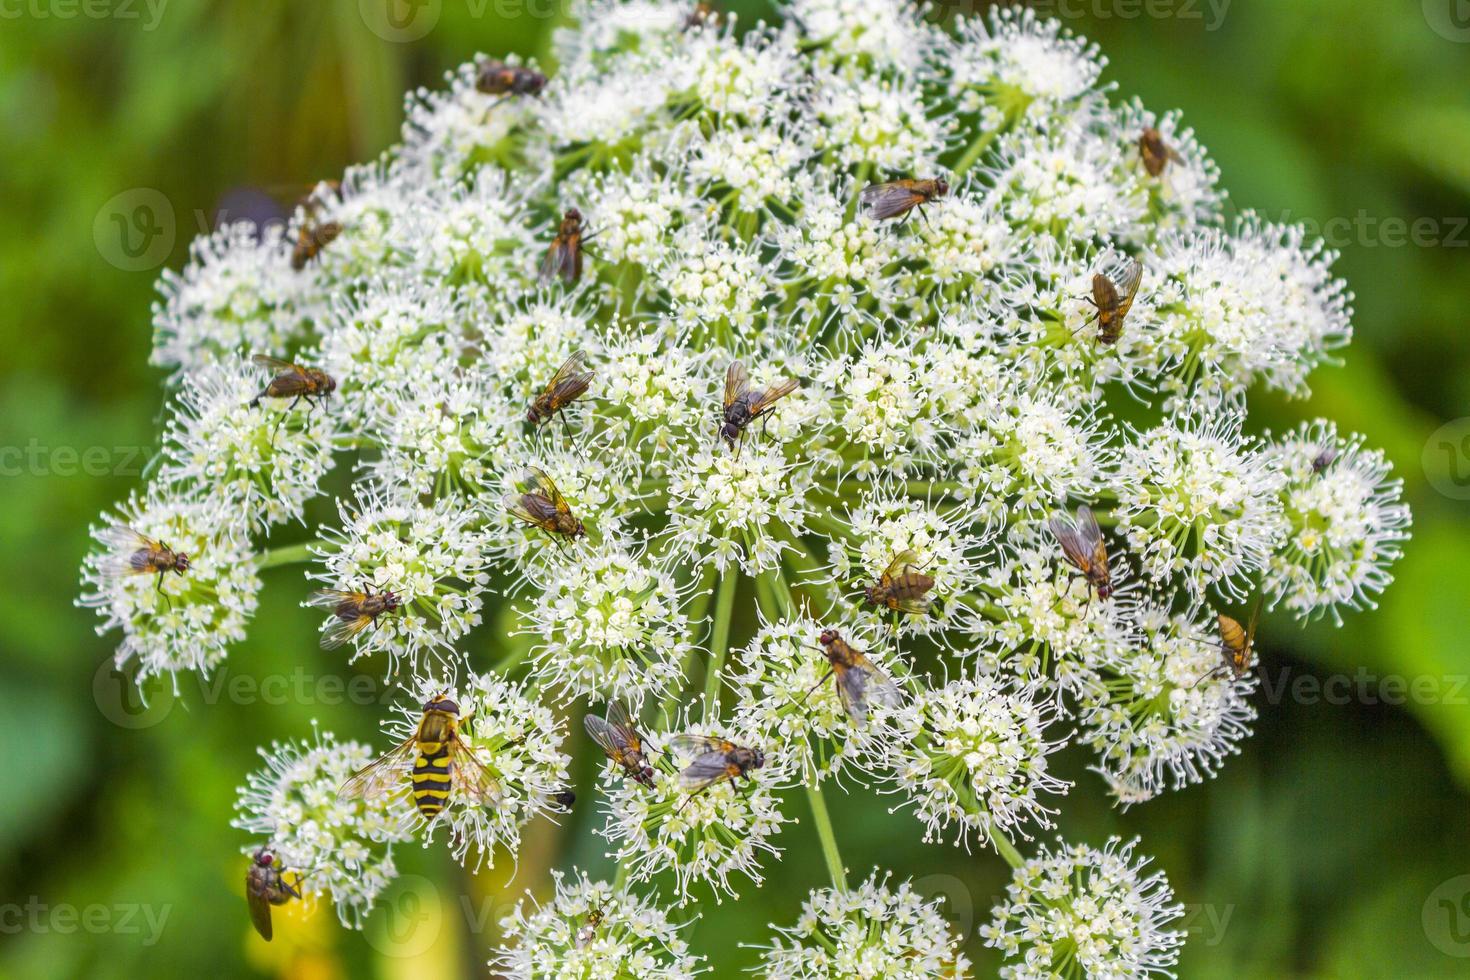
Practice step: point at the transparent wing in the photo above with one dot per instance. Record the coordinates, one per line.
(123, 542)
(905, 559)
(763, 401)
(1128, 287)
(694, 746)
(1077, 550)
(704, 771)
(878, 686)
(535, 481)
(622, 723)
(343, 631)
(571, 379)
(883, 201)
(331, 598)
(470, 776)
(273, 363)
(533, 508)
(1091, 537)
(379, 775)
(606, 736)
(737, 383)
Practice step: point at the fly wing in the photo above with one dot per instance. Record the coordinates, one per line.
(344, 630)
(622, 724)
(606, 736)
(123, 542)
(1074, 546)
(704, 771)
(469, 775)
(878, 686)
(905, 559)
(882, 201)
(273, 364)
(379, 775)
(561, 261)
(694, 746)
(1128, 287)
(535, 480)
(737, 383)
(571, 379)
(260, 908)
(330, 598)
(763, 400)
(1091, 537)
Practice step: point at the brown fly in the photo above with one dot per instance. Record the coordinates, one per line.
(1083, 546)
(134, 553)
(903, 586)
(1236, 644)
(265, 886)
(714, 761)
(860, 683)
(1156, 154)
(539, 503)
(570, 382)
(897, 198)
(352, 612)
(1112, 301)
(564, 258)
(618, 738)
(498, 78)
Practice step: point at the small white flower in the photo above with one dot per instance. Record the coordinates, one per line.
(728, 508)
(341, 848)
(592, 929)
(1082, 912)
(873, 932)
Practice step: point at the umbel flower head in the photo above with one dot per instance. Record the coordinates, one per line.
(1083, 912)
(652, 371)
(341, 848)
(872, 931)
(593, 929)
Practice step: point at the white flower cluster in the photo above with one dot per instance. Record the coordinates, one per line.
(780, 363)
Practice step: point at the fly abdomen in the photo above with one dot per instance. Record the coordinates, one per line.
(431, 778)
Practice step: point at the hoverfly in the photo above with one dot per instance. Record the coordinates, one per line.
(903, 586)
(570, 382)
(564, 257)
(744, 404)
(897, 198)
(618, 738)
(715, 760)
(498, 78)
(1113, 300)
(264, 887)
(1082, 544)
(1156, 154)
(859, 681)
(539, 503)
(135, 553)
(293, 381)
(1235, 646)
(1325, 458)
(442, 763)
(311, 239)
(353, 611)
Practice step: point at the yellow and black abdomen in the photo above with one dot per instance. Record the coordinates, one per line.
(431, 777)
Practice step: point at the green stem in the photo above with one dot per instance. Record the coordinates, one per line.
(972, 153)
(1007, 850)
(823, 822)
(621, 878)
(288, 555)
(719, 641)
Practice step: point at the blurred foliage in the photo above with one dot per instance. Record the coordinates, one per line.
(1315, 853)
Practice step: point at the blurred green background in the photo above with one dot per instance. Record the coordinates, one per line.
(1329, 848)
